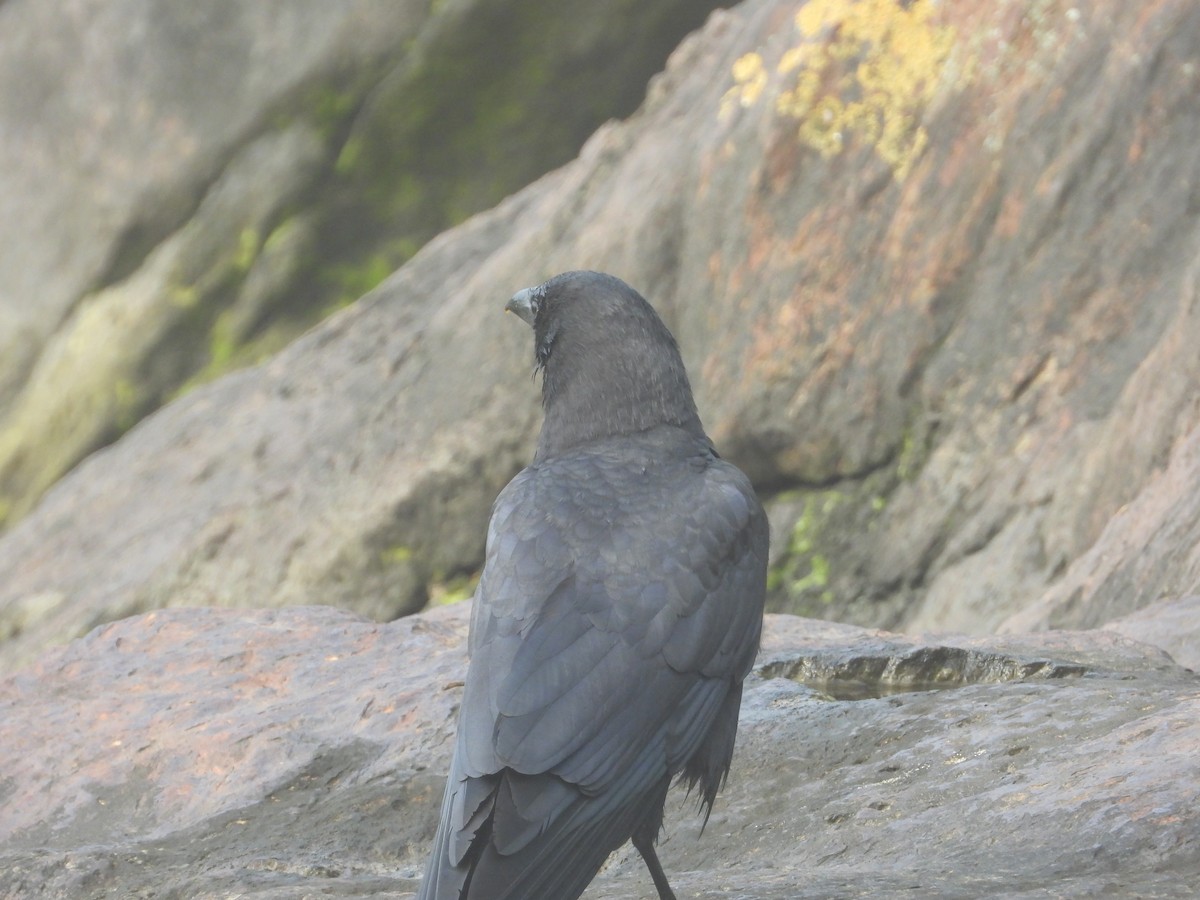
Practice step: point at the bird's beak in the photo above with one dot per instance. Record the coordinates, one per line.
(522, 304)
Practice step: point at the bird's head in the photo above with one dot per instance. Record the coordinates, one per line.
(609, 365)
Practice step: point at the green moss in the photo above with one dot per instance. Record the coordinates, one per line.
(331, 108)
(183, 296)
(394, 556)
(349, 156)
(476, 107)
(328, 106)
(443, 592)
(817, 509)
(351, 280)
(481, 108)
(249, 241)
(915, 447)
(817, 577)
(282, 233)
(226, 353)
(222, 345)
(804, 570)
(128, 401)
(233, 341)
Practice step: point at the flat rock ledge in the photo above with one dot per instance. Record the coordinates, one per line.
(300, 752)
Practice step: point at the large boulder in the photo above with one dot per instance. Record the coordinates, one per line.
(933, 269)
(188, 187)
(298, 753)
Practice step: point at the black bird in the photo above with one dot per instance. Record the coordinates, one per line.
(618, 613)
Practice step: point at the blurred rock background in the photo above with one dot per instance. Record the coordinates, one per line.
(934, 272)
(934, 269)
(188, 188)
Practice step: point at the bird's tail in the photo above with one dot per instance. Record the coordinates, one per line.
(709, 766)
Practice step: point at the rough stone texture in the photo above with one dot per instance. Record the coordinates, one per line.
(950, 332)
(118, 118)
(937, 285)
(298, 753)
(983, 361)
(189, 188)
(1173, 625)
(1145, 559)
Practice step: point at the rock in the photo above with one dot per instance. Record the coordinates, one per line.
(949, 325)
(90, 380)
(187, 190)
(1145, 558)
(949, 332)
(118, 119)
(301, 752)
(956, 393)
(1173, 625)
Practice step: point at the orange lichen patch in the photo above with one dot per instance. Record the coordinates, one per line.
(812, 319)
(269, 681)
(781, 161)
(929, 248)
(1136, 147)
(1008, 222)
(714, 265)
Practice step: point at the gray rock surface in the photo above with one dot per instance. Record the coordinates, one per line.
(955, 347)
(952, 335)
(300, 753)
(188, 188)
(118, 118)
(1172, 625)
(1145, 560)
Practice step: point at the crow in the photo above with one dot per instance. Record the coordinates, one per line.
(617, 615)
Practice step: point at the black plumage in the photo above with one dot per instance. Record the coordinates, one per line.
(618, 612)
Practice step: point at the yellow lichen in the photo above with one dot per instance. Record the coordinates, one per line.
(749, 80)
(864, 70)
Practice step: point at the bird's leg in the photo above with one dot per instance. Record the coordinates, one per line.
(644, 844)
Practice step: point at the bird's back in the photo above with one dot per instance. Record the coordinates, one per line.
(618, 613)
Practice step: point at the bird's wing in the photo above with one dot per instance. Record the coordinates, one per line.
(615, 614)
